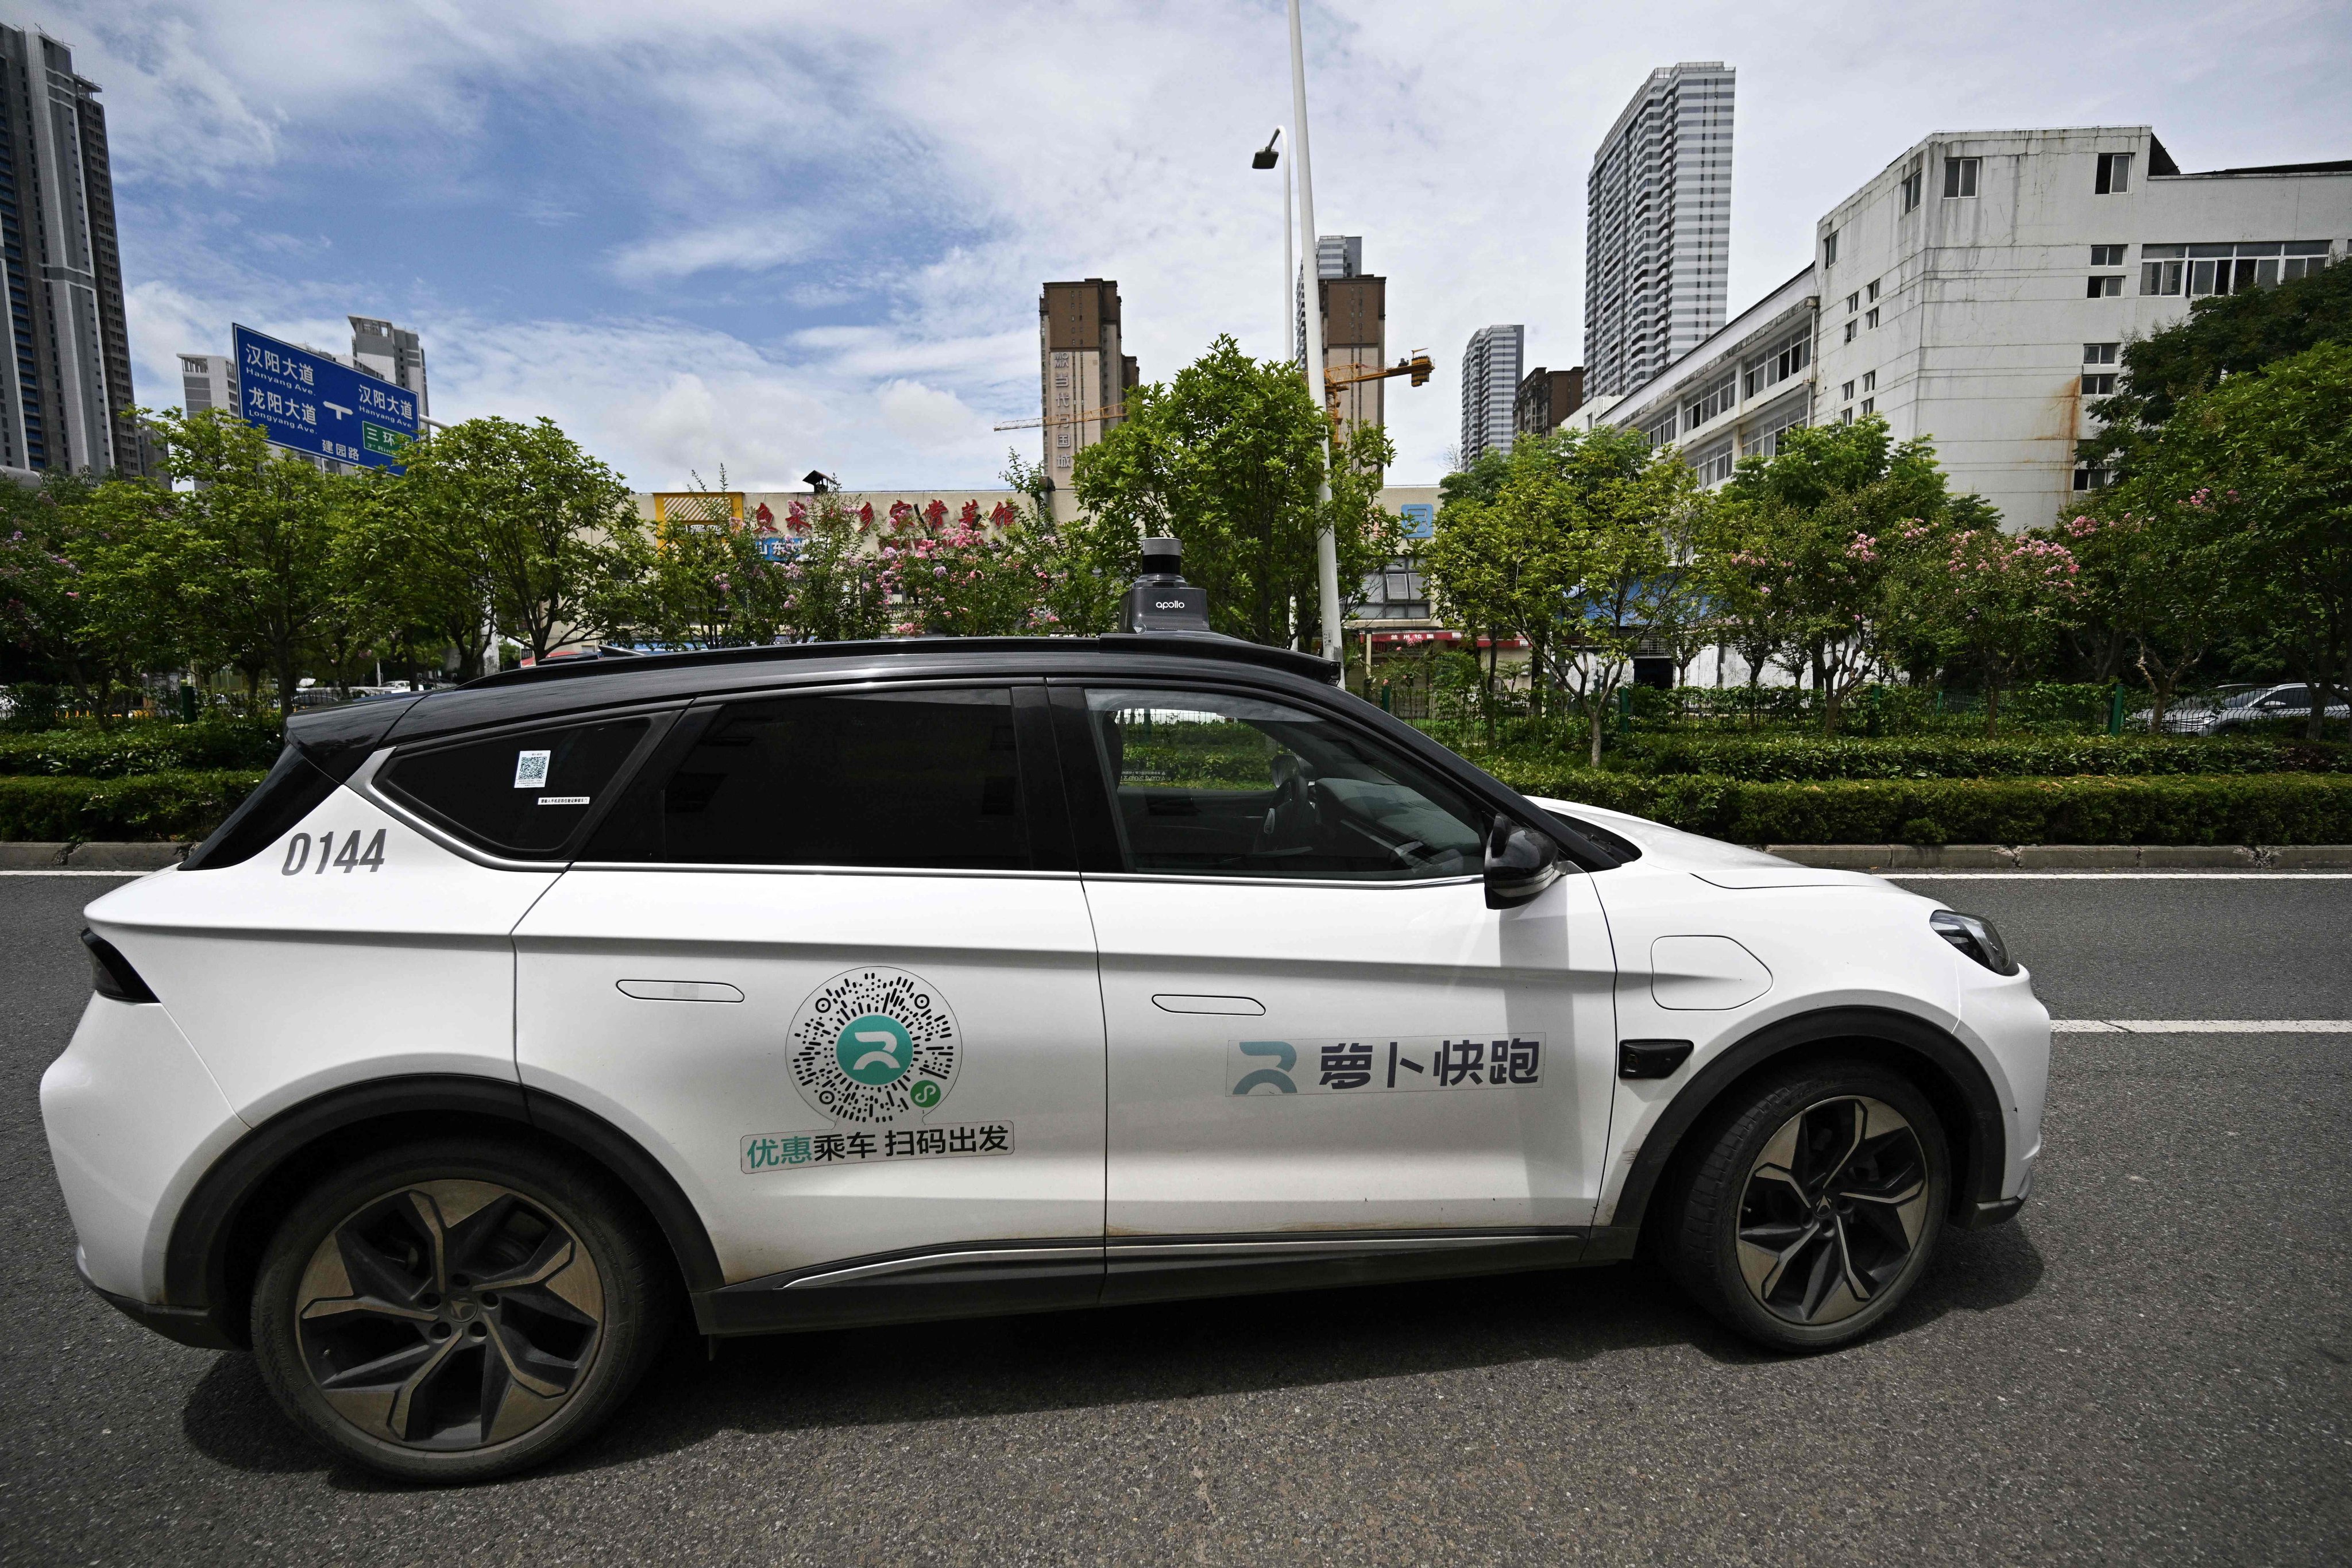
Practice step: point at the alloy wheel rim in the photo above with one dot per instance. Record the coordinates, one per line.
(449, 1315)
(1834, 1210)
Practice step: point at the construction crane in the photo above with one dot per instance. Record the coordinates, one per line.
(1118, 411)
(1415, 364)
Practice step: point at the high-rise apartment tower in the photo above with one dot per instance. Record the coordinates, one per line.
(392, 352)
(1490, 385)
(1657, 238)
(1082, 376)
(65, 392)
(1355, 306)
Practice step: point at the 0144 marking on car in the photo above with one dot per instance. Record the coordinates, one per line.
(875, 1045)
(348, 859)
(830, 1146)
(1379, 1067)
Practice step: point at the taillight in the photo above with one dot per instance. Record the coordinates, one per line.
(110, 974)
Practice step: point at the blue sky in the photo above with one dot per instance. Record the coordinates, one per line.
(780, 236)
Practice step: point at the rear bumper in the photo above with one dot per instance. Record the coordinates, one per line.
(188, 1325)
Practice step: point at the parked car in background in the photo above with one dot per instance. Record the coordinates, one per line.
(2234, 708)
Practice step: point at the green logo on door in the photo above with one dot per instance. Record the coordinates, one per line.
(875, 1045)
(875, 1049)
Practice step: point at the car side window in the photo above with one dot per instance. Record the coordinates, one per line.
(907, 780)
(1213, 784)
(520, 793)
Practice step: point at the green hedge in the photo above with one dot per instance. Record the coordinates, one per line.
(180, 803)
(1763, 758)
(139, 746)
(2275, 808)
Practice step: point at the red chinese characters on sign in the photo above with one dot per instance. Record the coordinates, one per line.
(1003, 515)
(970, 515)
(765, 519)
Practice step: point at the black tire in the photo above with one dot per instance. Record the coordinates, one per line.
(1807, 1208)
(451, 1311)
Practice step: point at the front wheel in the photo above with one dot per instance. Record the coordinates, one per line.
(1815, 1208)
(450, 1311)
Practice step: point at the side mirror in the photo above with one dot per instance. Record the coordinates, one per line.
(1520, 863)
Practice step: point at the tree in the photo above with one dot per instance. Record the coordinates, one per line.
(1478, 484)
(73, 609)
(2223, 336)
(1228, 459)
(1589, 548)
(540, 525)
(1821, 531)
(1997, 600)
(834, 593)
(434, 600)
(249, 553)
(2255, 476)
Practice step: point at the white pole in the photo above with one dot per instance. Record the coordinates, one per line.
(1326, 548)
(1290, 273)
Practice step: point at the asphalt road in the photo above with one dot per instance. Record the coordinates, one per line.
(2150, 1366)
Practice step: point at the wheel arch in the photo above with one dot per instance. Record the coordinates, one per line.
(1955, 1084)
(216, 1241)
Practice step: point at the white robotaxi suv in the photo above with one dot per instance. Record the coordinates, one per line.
(832, 984)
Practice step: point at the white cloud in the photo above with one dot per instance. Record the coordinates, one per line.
(912, 171)
(925, 417)
(749, 246)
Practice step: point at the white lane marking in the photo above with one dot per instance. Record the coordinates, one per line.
(70, 872)
(2200, 1026)
(2117, 876)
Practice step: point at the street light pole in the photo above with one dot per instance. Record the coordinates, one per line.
(1327, 547)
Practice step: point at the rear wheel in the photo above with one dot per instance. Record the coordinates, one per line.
(446, 1311)
(1814, 1206)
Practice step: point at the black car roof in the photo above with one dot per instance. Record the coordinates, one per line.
(573, 686)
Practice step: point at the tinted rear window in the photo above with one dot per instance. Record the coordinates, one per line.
(524, 792)
(898, 779)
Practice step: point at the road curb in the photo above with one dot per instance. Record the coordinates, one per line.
(29, 856)
(2067, 857)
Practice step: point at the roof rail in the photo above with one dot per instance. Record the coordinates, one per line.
(1187, 645)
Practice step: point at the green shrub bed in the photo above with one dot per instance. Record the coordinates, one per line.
(178, 803)
(2247, 808)
(138, 746)
(2274, 808)
(1767, 758)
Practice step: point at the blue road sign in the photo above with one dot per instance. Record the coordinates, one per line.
(310, 403)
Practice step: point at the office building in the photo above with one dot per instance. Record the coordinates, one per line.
(64, 397)
(1979, 293)
(1545, 399)
(1082, 376)
(1490, 385)
(1657, 246)
(392, 353)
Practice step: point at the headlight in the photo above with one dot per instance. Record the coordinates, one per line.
(1974, 935)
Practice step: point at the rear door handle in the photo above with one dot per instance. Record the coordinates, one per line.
(1238, 1007)
(679, 990)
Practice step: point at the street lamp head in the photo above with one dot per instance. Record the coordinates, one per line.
(1266, 157)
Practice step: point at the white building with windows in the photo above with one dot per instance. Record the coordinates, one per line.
(1490, 389)
(1978, 291)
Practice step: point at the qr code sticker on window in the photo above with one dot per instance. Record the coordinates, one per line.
(530, 768)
